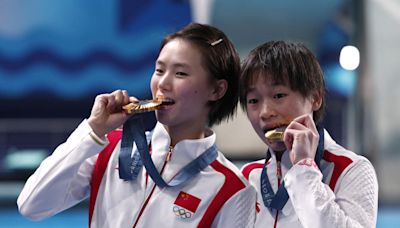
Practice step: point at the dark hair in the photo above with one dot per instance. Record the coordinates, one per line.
(221, 60)
(285, 63)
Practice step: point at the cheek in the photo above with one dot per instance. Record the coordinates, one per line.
(253, 117)
(299, 109)
(193, 92)
(153, 84)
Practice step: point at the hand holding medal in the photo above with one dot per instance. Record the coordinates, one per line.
(110, 111)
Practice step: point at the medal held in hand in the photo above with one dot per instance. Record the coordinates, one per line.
(145, 105)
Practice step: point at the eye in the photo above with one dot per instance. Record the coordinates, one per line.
(280, 95)
(181, 74)
(252, 101)
(159, 71)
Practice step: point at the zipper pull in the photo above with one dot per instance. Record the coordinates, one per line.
(169, 154)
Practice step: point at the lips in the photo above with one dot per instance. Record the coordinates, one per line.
(165, 102)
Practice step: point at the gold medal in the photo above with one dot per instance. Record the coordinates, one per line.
(144, 106)
(275, 135)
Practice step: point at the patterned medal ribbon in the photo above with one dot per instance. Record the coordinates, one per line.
(129, 167)
(277, 201)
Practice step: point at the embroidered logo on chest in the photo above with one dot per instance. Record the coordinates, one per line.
(185, 205)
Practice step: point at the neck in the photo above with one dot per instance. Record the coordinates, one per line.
(278, 155)
(178, 134)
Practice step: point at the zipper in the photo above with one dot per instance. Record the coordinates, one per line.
(279, 177)
(169, 154)
(167, 159)
(276, 219)
(278, 172)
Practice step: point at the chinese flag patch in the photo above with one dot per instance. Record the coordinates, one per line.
(187, 201)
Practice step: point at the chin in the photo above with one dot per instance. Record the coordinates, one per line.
(162, 118)
(277, 146)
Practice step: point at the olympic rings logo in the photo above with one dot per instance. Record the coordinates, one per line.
(181, 213)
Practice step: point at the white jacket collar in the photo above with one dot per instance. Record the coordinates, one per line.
(184, 151)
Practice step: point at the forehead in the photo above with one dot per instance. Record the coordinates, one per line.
(266, 79)
(182, 51)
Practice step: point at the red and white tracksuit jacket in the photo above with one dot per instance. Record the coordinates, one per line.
(343, 193)
(219, 196)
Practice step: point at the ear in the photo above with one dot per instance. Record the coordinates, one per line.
(316, 99)
(219, 90)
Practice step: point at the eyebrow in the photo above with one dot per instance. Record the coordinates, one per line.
(250, 89)
(176, 65)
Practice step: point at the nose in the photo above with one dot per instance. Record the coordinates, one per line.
(165, 82)
(267, 110)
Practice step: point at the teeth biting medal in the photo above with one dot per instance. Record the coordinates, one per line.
(275, 134)
(145, 105)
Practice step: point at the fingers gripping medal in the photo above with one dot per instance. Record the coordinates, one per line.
(145, 105)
